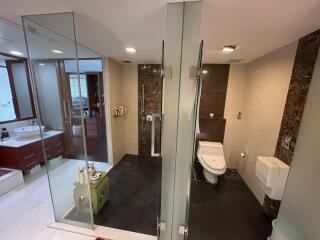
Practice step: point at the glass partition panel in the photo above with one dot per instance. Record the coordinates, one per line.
(172, 57)
(189, 85)
(93, 96)
(50, 41)
(180, 108)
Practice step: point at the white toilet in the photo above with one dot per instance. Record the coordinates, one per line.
(211, 157)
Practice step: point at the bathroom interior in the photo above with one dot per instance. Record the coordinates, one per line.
(70, 125)
(197, 141)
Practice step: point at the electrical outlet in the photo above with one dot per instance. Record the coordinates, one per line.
(286, 142)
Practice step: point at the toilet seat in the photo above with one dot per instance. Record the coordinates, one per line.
(214, 162)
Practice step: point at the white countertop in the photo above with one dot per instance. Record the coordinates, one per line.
(13, 142)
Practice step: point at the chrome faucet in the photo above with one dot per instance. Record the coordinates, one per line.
(34, 122)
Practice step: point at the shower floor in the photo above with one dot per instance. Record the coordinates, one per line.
(134, 196)
(134, 201)
(226, 211)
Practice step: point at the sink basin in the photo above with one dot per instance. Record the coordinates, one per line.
(28, 131)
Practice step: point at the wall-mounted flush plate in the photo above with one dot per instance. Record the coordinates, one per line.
(286, 142)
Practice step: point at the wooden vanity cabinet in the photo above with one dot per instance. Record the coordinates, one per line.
(26, 157)
(21, 158)
(54, 146)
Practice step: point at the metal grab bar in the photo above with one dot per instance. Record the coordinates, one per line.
(142, 98)
(155, 118)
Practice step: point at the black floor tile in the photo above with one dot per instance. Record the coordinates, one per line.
(227, 210)
(134, 195)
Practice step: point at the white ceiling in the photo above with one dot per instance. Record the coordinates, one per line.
(257, 27)
(11, 37)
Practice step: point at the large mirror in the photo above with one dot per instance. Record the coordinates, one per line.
(16, 101)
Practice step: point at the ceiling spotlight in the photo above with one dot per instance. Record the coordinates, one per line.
(56, 51)
(204, 71)
(131, 50)
(229, 48)
(17, 53)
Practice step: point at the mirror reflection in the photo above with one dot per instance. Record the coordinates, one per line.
(16, 101)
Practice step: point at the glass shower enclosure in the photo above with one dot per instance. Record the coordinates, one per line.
(50, 42)
(182, 66)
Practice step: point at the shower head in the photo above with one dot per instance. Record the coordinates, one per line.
(145, 66)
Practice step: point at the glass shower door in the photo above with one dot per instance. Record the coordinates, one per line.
(50, 41)
(180, 95)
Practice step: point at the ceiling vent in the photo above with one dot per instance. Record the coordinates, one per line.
(126, 61)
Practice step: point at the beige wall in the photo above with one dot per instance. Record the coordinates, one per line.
(300, 213)
(234, 103)
(122, 89)
(130, 92)
(264, 95)
(115, 91)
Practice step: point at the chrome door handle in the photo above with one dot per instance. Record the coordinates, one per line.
(70, 112)
(65, 109)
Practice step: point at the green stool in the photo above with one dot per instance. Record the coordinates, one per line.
(99, 194)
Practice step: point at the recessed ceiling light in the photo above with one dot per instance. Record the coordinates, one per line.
(17, 53)
(131, 50)
(229, 48)
(204, 71)
(41, 64)
(56, 51)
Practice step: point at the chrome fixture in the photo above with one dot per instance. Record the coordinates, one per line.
(155, 119)
(142, 98)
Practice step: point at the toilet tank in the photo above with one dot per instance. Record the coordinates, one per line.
(210, 148)
(272, 175)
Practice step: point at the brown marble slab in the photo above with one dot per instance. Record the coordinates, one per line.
(302, 72)
(149, 75)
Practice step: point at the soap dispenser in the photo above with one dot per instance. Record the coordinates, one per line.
(4, 134)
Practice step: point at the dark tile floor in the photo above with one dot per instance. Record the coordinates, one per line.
(226, 211)
(134, 201)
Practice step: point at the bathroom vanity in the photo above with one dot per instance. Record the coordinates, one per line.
(25, 154)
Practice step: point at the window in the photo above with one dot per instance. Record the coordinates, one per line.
(7, 111)
(74, 89)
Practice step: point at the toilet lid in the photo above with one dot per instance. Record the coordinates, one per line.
(214, 162)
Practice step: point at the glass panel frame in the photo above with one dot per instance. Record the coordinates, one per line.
(69, 188)
(180, 111)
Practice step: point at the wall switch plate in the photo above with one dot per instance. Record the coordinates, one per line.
(286, 142)
(183, 230)
(162, 226)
